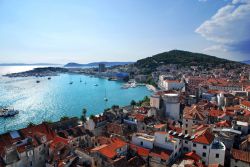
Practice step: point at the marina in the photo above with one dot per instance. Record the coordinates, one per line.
(52, 99)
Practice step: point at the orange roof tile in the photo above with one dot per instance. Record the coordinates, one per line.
(204, 138)
(245, 103)
(140, 150)
(241, 155)
(193, 155)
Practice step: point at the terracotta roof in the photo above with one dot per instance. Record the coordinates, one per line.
(205, 137)
(109, 150)
(193, 155)
(215, 113)
(158, 126)
(225, 123)
(144, 152)
(140, 117)
(240, 155)
(58, 140)
(245, 103)
(163, 154)
(194, 112)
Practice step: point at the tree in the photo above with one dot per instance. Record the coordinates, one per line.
(64, 118)
(83, 117)
(30, 124)
(133, 103)
(92, 116)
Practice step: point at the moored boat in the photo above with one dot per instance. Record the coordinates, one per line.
(5, 112)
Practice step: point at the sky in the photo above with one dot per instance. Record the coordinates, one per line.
(83, 31)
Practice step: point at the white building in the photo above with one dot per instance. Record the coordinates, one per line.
(155, 101)
(172, 106)
(143, 140)
(169, 84)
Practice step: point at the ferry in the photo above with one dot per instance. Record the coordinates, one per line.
(5, 112)
(130, 84)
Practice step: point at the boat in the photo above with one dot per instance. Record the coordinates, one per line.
(95, 84)
(80, 80)
(71, 83)
(5, 112)
(105, 98)
(49, 78)
(37, 81)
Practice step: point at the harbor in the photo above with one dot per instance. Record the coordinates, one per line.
(49, 100)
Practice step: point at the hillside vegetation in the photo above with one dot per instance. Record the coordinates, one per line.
(182, 58)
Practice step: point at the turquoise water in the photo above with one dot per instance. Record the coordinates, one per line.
(49, 100)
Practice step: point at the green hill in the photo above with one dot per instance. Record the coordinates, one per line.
(182, 58)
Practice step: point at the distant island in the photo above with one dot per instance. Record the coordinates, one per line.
(109, 64)
(25, 64)
(39, 72)
(246, 62)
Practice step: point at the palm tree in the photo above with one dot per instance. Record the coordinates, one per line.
(132, 103)
(83, 117)
(30, 124)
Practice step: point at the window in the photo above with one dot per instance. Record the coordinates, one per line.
(194, 145)
(186, 125)
(186, 131)
(204, 154)
(217, 155)
(141, 143)
(204, 147)
(186, 142)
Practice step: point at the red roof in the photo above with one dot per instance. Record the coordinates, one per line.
(223, 124)
(161, 154)
(158, 126)
(193, 155)
(241, 155)
(140, 117)
(58, 140)
(140, 150)
(245, 103)
(215, 113)
(204, 138)
(109, 150)
(194, 112)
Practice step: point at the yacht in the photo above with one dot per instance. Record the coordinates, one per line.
(105, 98)
(5, 112)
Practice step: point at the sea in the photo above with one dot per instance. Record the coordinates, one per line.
(52, 99)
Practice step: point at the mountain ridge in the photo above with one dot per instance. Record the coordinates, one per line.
(73, 64)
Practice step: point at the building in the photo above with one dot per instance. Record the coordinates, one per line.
(155, 101)
(192, 116)
(240, 158)
(172, 106)
(26, 147)
(165, 84)
(102, 67)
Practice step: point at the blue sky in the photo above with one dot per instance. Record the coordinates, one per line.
(61, 31)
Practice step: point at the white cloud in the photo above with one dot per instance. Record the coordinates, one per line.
(230, 26)
(212, 48)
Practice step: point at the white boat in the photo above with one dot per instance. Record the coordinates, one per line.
(5, 112)
(105, 98)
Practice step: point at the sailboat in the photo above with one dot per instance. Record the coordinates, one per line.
(105, 98)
